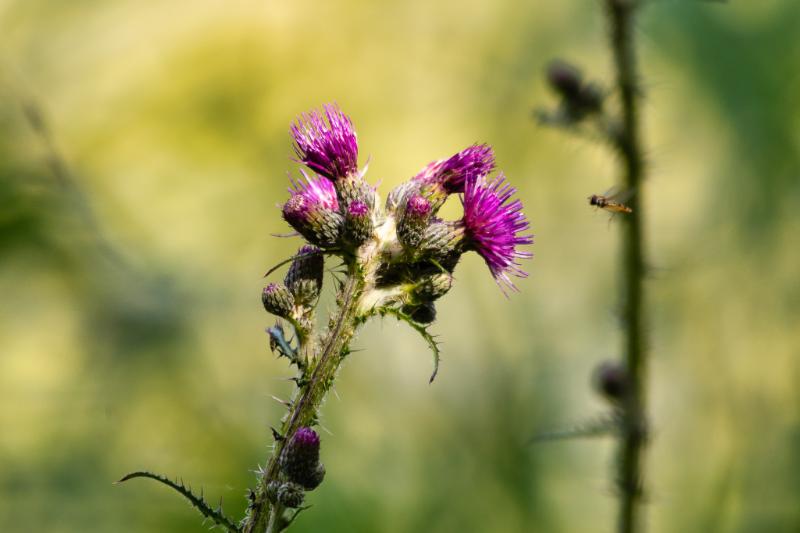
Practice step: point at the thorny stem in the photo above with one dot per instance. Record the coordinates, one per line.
(264, 515)
(621, 15)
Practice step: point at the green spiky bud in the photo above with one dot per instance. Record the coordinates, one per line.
(304, 277)
(272, 490)
(291, 495)
(278, 300)
(433, 287)
(354, 189)
(424, 313)
(442, 239)
(412, 220)
(398, 195)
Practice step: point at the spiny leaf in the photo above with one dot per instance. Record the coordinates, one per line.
(294, 516)
(598, 427)
(277, 337)
(419, 328)
(198, 502)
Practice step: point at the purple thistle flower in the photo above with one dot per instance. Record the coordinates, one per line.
(492, 226)
(309, 195)
(312, 209)
(329, 148)
(450, 174)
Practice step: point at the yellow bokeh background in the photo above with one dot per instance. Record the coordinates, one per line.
(131, 331)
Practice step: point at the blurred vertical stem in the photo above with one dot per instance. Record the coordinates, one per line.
(621, 16)
(265, 515)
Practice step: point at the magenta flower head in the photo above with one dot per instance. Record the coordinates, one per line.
(326, 143)
(493, 226)
(451, 174)
(313, 210)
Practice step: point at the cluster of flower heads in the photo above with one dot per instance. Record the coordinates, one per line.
(336, 210)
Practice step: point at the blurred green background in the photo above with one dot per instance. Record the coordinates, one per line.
(131, 329)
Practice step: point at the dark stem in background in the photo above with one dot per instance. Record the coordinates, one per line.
(621, 16)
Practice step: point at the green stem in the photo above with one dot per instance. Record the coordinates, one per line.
(621, 14)
(264, 516)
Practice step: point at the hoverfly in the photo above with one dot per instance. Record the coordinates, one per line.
(614, 203)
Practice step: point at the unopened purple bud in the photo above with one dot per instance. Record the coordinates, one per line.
(611, 380)
(300, 458)
(398, 195)
(278, 300)
(564, 78)
(412, 219)
(358, 223)
(418, 207)
(326, 143)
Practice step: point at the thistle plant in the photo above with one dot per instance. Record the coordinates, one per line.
(394, 260)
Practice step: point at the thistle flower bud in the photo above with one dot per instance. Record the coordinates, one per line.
(278, 300)
(442, 239)
(591, 98)
(358, 223)
(564, 78)
(304, 277)
(611, 380)
(399, 193)
(354, 189)
(424, 313)
(433, 287)
(312, 210)
(579, 98)
(316, 478)
(300, 458)
(272, 490)
(291, 495)
(413, 217)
